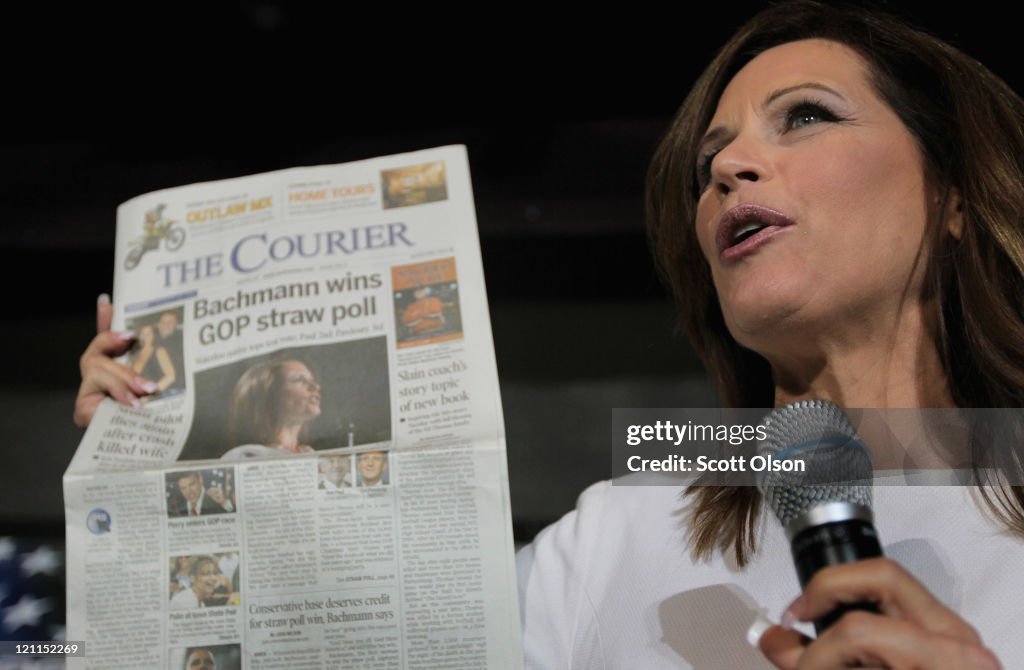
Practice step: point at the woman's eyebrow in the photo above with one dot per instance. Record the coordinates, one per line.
(778, 93)
(712, 137)
(715, 134)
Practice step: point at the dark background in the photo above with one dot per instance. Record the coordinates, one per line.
(560, 114)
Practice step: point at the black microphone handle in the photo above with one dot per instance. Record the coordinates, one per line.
(834, 543)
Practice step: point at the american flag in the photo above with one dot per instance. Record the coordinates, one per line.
(31, 596)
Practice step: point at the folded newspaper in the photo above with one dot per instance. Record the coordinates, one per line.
(320, 481)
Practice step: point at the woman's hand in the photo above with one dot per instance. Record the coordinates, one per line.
(101, 375)
(914, 630)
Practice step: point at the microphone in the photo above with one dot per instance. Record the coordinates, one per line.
(826, 509)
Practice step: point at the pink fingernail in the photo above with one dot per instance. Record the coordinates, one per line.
(126, 335)
(793, 613)
(103, 299)
(757, 629)
(146, 385)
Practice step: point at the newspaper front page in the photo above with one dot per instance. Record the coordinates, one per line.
(321, 480)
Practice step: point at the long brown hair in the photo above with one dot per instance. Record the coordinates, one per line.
(969, 126)
(255, 407)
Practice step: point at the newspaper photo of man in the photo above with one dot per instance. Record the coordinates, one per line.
(206, 657)
(372, 469)
(168, 330)
(335, 472)
(195, 493)
(201, 659)
(426, 303)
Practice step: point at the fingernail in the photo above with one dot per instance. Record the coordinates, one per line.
(126, 335)
(757, 629)
(146, 385)
(103, 299)
(793, 613)
(136, 403)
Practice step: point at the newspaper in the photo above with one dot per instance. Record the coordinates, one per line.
(321, 341)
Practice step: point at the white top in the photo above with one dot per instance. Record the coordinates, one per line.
(331, 486)
(196, 508)
(612, 584)
(185, 600)
(244, 451)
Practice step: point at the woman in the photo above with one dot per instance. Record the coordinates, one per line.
(151, 361)
(180, 574)
(836, 207)
(928, 317)
(271, 408)
(208, 586)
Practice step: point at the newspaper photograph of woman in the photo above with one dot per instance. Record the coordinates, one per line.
(293, 401)
(204, 580)
(157, 354)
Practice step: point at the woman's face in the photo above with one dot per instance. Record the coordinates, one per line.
(146, 335)
(814, 203)
(299, 397)
(206, 580)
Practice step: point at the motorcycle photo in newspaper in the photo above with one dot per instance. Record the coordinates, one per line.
(155, 229)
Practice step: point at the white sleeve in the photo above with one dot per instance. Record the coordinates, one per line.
(559, 625)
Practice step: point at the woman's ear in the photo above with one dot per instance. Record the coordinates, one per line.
(953, 216)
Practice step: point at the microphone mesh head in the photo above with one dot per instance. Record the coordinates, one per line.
(837, 464)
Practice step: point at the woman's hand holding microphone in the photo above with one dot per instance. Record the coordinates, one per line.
(913, 630)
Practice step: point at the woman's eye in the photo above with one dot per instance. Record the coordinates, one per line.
(704, 169)
(807, 114)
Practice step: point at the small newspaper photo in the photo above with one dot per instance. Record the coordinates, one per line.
(320, 480)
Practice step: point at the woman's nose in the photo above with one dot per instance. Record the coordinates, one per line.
(743, 160)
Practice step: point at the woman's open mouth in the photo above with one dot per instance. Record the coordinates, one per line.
(745, 228)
